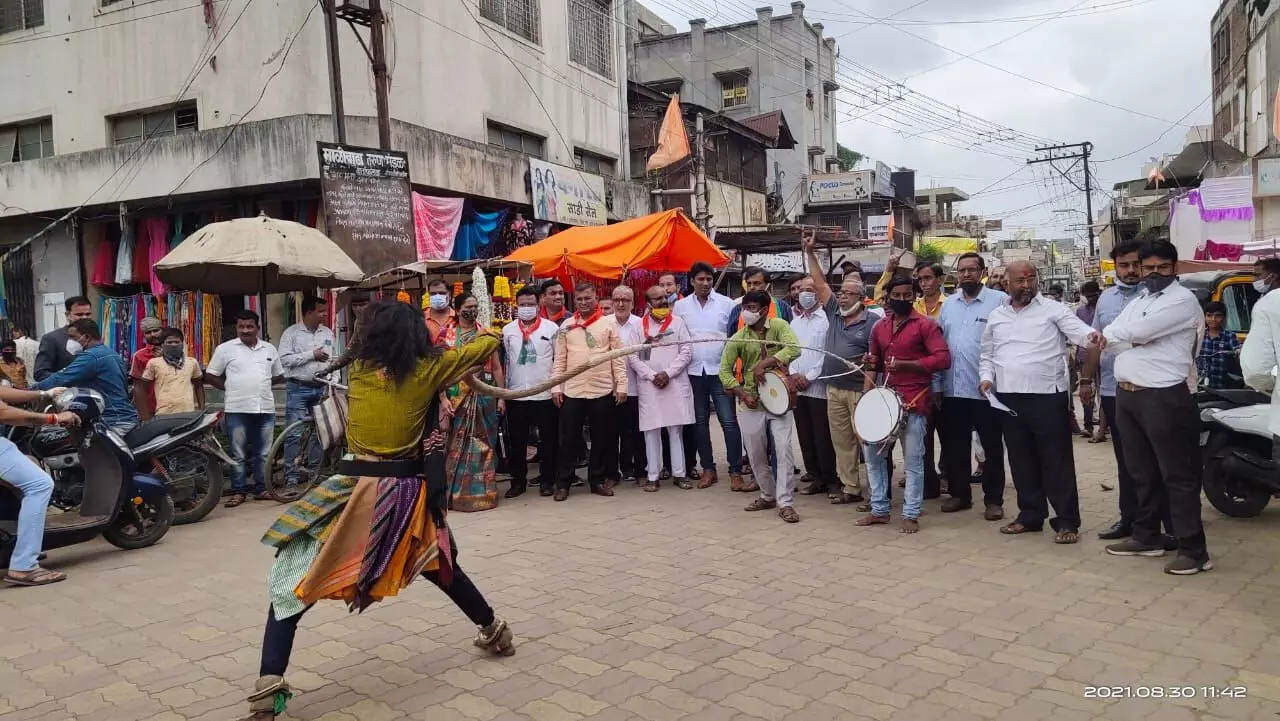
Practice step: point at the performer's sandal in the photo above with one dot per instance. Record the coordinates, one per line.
(496, 638)
(269, 697)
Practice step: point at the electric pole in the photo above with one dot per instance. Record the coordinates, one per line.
(378, 59)
(700, 178)
(1080, 154)
(335, 72)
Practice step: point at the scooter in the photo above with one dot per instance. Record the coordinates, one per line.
(129, 510)
(182, 450)
(1239, 474)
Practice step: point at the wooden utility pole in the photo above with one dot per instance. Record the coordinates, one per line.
(381, 84)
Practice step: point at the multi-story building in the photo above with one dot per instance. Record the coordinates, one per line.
(1228, 54)
(112, 107)
(774, 63)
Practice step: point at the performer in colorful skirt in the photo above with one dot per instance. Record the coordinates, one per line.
(369, 531)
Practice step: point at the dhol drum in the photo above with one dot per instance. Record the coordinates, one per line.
(880, 416)
(777, 397)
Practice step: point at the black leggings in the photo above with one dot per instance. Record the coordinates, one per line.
(277, 641)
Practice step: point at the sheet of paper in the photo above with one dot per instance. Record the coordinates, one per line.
(996, 404)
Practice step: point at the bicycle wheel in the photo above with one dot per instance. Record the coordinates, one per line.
(313, 463)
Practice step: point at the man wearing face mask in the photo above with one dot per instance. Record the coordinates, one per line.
(848, 336)
(810, 325)
(1157, 336)
(665, 394)
(670, 287)
(174, 378)
(1266, 275)
(529, 343)
(99, 368)
(1113, 301)
(144, 395)
(438, 311)
(56, 347)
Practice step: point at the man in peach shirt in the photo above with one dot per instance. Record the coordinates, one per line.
(592, 397)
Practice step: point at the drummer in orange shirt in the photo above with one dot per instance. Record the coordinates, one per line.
(907, 348)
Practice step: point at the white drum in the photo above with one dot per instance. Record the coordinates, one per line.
(879, 416)
(776, 396)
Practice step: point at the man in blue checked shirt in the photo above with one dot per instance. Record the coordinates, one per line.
(1219, 345)
(964, 409)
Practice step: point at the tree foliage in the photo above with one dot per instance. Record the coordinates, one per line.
(847, 158)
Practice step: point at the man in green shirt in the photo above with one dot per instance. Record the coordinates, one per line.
(742, 367)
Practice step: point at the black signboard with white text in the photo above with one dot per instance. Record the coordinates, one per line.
(368, 205)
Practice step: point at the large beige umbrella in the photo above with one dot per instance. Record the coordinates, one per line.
(248, 256)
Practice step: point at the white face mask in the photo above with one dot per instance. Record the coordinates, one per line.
(74, 347)
(808, 299)
(439, 301)
(846, 312)
(750, 317)
(1261, 285)
(527, 313)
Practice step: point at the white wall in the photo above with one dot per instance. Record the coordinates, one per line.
(444, 76)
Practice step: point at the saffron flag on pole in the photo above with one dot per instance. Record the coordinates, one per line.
(673, 143)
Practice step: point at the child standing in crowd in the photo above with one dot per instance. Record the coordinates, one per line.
(1218, 345)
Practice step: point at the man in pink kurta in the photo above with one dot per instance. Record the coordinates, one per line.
(666, 396)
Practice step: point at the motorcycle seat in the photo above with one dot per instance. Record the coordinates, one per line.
(158, 426)
(1240, 396)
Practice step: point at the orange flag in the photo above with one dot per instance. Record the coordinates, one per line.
(891, 224)
(673, 143)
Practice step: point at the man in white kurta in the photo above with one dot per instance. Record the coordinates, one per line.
(666, 395)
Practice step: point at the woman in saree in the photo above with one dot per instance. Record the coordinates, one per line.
(364, 534)
(473, 432)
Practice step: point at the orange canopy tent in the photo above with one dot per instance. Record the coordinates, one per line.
(664, 241)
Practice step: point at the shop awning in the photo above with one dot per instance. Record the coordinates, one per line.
(660, 241)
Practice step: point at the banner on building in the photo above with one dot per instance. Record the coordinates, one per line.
(884, 180)
(878, 228)
(566, 195)
(368, 206)
(841, 187)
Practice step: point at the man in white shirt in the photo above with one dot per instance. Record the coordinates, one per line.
(1157, 336)
(1021, 362)
(706, 315)
(529, 343)
(810, 324)
(631, 443)
(305, 348)
(245, 369)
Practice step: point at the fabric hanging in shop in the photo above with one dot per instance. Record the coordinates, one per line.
(179, 234)
(476, 234)
(436, 221)
(124, 255)
(197, 315)
(154, 241)
(104, 264)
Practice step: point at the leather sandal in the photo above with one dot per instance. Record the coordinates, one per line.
(760, 504)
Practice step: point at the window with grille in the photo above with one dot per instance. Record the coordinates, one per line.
(26, 141)
(591, 36)
(733, 90)
(592, 163)
(176, 120)
(520, 141)
(20, 14)
(519, 16)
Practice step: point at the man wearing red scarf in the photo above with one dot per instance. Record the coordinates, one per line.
(553, 302)
(591, 397)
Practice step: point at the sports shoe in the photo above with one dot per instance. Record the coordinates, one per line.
(1130, 547)
(1187, 566)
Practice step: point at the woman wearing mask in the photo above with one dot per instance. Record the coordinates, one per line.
(473, 434)
(12, 366)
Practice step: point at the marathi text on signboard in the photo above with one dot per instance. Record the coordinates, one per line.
(566, 195)
(878, 228)
(841, 187)
(368, 205)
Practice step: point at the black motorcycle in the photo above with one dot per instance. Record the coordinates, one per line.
(182, 450)
(95, 485)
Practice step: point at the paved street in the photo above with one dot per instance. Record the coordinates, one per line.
(671, 606)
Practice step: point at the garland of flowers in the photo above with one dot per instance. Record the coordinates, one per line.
(480, 289)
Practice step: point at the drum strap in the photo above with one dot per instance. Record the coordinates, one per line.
(912, 403)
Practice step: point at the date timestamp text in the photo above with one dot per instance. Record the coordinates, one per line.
(1169, 692)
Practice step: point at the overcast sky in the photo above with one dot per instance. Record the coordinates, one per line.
(1150, 57)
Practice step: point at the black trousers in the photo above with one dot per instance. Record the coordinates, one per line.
(1041, 460)
(600, 414)
(690, 451)
(521, 416)
(631, 455)
(277, 640)
(1161, 428)
(1128, 496)
(960, 418)
(816, 447)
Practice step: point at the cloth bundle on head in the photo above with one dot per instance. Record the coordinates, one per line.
(150, 324)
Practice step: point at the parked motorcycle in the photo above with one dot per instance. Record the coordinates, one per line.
(1239, 473)
(182, 450)
(95, 484)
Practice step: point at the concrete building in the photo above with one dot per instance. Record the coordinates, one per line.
(782, 63)
(1228, 32)
(233, 100)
